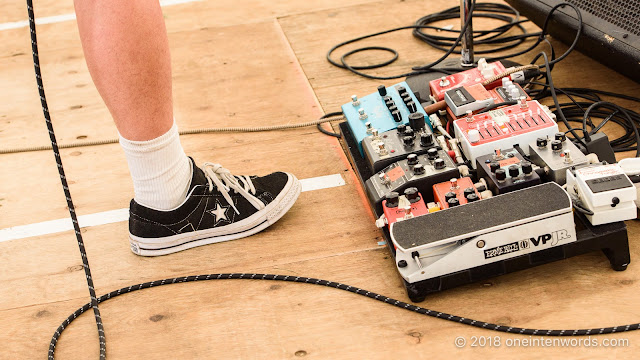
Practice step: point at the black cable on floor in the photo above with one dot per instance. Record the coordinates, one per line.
(450, 44)
(424, 69)
(497, 36)
(327, 132)
(355, 290)
(65, 187)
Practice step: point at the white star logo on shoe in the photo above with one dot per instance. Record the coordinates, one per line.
(220, 213)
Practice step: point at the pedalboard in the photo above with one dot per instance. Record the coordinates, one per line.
(448, 225)
(610, 238)
(502, 128)
(381, 111)
(505, 171)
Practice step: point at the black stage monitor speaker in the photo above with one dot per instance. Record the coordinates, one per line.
(611, 29)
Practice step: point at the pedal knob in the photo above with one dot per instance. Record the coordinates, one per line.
(432, 153)
(472, 197)
(426, 139)
(453, 202)
(384, 179)
(402, 90)
(514, 171)
(474, 135)
(567, 156)
(392, 107)
(382, 90)
(412, 159)
(494, 166)
(556, 145)
(527, 168)
(401, 128)
(411, 106)
(369, 127)
(418, 169)
(439, 164)
(409, 132)
(501, 175)
(541, 142)
(416, 120)
(450, 195)
(468, 191)
(412, 194)
(560, 137)
(387, 99)
(397, 117)
(407, 140)
(392, 199)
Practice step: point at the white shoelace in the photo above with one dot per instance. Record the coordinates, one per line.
(224, 181)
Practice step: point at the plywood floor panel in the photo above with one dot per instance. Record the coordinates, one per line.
(264, 320)
(263, 90)
(99, 177)
(192, 14)
(251, 82)
(306, 232)
(270, 73)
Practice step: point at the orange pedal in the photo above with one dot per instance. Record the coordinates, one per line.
(462, 190)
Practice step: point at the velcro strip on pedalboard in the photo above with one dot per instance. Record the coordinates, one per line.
(499, 212)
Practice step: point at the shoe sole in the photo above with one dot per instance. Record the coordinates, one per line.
(247, 227)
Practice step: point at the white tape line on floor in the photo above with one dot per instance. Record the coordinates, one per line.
(69, 17)
(113, 216)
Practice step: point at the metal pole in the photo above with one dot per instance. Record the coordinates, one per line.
(466, 42)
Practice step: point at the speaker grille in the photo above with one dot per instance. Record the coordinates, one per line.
(624, 14)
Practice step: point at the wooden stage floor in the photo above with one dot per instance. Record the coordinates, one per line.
(252, 63)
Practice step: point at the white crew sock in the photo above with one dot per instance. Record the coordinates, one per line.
(160, 170)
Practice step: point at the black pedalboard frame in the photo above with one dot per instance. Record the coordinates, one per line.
(611, 239)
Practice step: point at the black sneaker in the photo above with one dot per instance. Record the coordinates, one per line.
(219, 207)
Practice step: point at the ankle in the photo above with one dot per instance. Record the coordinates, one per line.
(160, 170)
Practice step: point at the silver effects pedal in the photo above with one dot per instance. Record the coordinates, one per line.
(483, 232)
(604, 191)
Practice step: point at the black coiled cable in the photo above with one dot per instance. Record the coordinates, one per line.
(65, 187)
(501, 12)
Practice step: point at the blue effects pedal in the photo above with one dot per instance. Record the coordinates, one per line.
(381, 111)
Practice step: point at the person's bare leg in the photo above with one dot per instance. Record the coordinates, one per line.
(127, 51)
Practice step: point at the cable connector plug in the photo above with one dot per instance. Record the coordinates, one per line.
(522, 76)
